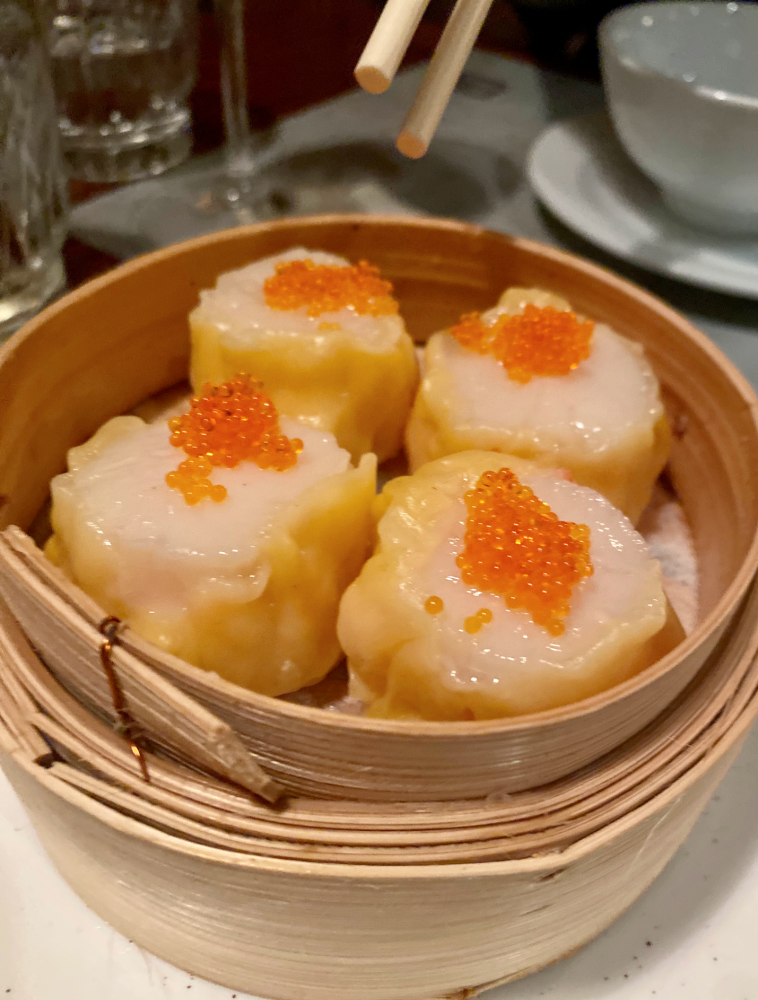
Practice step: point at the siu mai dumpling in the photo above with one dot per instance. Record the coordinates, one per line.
(529, 378)
(499, 588)
(325, 338)
(235, 562)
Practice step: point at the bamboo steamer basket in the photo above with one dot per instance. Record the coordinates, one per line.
(305, 930)
(332, 925)
(115, 342)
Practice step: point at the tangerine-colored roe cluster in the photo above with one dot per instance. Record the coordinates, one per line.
(515, 546)
(545, 342)
(225, 425)
(323, 288)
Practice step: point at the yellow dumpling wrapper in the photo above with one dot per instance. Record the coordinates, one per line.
(406, 662)
(353, 375)
(604, 420)
(248, 587)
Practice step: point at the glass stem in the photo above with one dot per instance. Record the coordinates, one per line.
(240, 156)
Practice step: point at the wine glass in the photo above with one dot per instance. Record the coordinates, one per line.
(243, 185)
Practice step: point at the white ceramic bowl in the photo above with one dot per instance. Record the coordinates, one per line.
(681, 82)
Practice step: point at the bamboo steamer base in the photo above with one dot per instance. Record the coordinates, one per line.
(294, 931)
(119, 340)
(93, 759)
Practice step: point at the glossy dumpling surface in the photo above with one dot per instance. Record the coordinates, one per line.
(407, 662)
(341, 371)
(248, 587)
(604, 420)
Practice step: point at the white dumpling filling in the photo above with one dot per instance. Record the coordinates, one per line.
(167, 554)
(604, 420)
(592, 408)
(237, 308)
(248, 587)
(345, 372)
(409, 659)
(624, 592)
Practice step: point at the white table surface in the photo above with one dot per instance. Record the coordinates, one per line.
(694, 934)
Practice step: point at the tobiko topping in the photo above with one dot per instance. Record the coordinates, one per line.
(475, 622)
(225, 425)
(516, 547)
(547, 342)
(324, 288)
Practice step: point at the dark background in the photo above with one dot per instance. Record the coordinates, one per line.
(302, 52)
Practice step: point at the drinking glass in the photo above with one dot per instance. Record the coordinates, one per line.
(122, 73)
(32, 179)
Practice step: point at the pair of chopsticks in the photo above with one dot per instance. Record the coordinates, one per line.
(388, 44)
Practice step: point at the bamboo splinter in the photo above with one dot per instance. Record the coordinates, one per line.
(108, 627)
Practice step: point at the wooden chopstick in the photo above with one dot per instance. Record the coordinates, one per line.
(439, 81)
(388, 44)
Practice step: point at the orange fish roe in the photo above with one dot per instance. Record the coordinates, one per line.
(324, 289)
(545, 342)
(475, 622)
(516, 547)
(225, 425)
(434, 605)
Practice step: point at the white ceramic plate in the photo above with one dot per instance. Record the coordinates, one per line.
(578, 169)
(690, 937)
